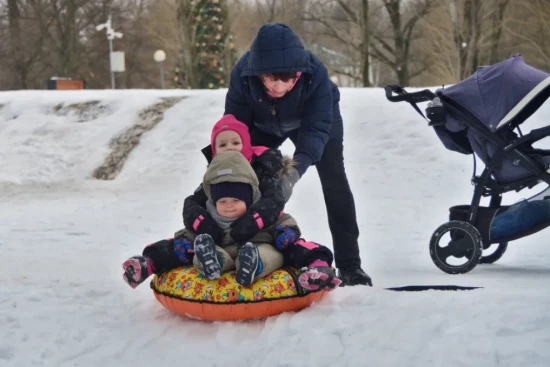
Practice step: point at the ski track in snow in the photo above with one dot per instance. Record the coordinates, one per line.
(64, 237)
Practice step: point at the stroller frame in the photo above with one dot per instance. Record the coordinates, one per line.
(484, 185)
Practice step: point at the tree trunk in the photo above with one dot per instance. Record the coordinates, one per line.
(71, 67)
(13, 24)
(65, 13)
(496, 29)
(457, 37)
(230, 52)
(401, 57)
(473, 31)
(15, 44)
(187, 40)
(365, 45)
(267, 9)
(466, 36)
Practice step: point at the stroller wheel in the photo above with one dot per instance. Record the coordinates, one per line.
(496, 255)
(461, 252)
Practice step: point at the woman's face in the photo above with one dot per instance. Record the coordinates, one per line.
(276, 88)
(228, 140)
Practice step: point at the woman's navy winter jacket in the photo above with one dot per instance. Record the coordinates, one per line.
(311, 107)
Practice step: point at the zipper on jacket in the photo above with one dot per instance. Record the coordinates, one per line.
(276, 124)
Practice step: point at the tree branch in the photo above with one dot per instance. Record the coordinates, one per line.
(351, 14)
(381, 57)
(334, 32)
(346, 73)
(384, 44)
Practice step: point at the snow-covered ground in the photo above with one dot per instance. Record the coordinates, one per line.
(64, 236)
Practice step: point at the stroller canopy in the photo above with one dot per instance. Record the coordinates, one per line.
(501, 93)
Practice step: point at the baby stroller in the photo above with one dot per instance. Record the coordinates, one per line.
(478, 116)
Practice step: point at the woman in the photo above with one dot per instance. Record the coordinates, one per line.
(280, 90)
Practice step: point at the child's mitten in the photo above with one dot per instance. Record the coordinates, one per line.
(208, 226)
(285, 236)
(246, 227)
(184, 249)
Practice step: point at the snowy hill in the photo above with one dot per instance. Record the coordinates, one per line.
(64, 236)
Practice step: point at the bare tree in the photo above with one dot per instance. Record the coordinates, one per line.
(148, 25)
(389, 40)
(497, 25)
(268, 10)
(230, 58)
(463, 34)
(63, 24)
(531, 29)
(246, 17)
(439, 46)
(365, 43)
(466, 34)
(23, 54)
(187, 28)
(398, 54)
(346, 24)
(131, 17)
(66, 35)
(432, 41)
(14, 16)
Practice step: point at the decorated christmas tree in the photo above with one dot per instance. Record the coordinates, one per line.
(214, 52)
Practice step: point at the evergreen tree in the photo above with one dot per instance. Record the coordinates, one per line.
(214, 50)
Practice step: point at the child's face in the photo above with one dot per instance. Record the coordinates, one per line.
(228, 140)
(231, 207)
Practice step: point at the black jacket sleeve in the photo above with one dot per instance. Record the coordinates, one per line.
(194, 206)
(235, 100)
(196, 217)
(317, 123)
(268, 167)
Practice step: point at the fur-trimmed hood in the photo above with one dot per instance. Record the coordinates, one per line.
(288, 163)
(230, 166)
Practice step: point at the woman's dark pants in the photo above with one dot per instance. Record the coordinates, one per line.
(339, 201)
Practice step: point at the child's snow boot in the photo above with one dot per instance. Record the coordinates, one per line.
(318, 276)
(137, 269)
(205, 251)
(250, 264)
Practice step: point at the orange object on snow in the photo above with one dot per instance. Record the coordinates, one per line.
(186, 292)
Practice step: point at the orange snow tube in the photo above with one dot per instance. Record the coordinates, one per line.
(186, 292)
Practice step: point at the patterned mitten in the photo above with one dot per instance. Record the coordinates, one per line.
(285, 236)
(184, 250)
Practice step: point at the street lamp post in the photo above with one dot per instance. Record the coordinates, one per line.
(159, 56)
(111, 34)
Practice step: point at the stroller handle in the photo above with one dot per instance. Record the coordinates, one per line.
(425, 95)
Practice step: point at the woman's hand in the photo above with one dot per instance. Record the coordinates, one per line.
(288, 182)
